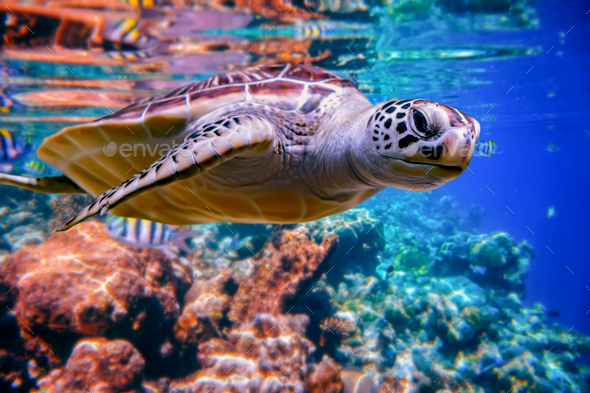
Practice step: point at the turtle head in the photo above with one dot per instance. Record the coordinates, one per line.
(421, 144)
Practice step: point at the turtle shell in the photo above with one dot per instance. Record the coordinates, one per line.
(106, 152)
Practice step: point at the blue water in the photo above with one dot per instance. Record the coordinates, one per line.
(528, 86)
(549, 104)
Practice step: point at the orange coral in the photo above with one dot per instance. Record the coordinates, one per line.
(339, 327)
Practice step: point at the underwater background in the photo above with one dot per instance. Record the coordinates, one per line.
(479, 286)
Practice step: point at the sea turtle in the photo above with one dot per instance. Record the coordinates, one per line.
(269, 144)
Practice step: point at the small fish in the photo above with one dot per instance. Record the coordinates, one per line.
(36, 167)
(486, 149)
(479, 270)
(11, 150)
(143, 233)
(552, 148)
(234, 243)
(553, 314)
(352, 77)
(550, 212)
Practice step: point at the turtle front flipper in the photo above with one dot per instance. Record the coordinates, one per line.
(209, 145)
(48, 185)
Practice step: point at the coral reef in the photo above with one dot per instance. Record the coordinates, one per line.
(98, 365)
(327, 306)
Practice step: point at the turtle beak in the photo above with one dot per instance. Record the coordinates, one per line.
(451, 154)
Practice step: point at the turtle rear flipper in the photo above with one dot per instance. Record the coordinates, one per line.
(48, 185)
(208, 146)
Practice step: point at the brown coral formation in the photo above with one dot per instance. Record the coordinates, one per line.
(288, 262)
(262, 347)
(98, 365)
(82, 283)
(338, 327)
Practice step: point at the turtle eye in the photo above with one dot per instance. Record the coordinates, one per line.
(421, 123)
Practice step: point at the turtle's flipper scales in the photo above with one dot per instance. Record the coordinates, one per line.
(209, 145)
